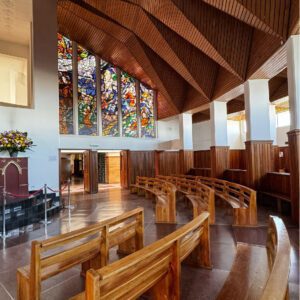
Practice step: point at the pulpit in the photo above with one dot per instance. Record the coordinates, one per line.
(14, 175)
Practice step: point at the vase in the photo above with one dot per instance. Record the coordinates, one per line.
(13, 153)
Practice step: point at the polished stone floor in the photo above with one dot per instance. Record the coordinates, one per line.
(196, 283)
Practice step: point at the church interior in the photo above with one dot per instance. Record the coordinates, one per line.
(149, 149)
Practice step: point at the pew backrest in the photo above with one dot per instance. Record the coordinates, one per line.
(88, 246)
(204, 194)
(279, 249)
(133, 275)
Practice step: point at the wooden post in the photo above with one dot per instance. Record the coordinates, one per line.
(294, 151)
(219, 160)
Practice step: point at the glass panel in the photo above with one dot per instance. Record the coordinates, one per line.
(87, 100)
(129, 116)
(147, 112)
(64, 51)
(109, 99)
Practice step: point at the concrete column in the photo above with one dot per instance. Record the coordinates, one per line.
(257, 110)
(186, 131)
(293, 67)
(219, 150)
(259, 140)
(218, 123)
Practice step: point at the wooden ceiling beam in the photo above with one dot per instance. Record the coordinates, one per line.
(230, 37)
(183, 27)
(237, 10)
(192, 58)
(140, 24)
(274, 13)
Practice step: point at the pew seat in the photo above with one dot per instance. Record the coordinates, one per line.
(88, 246)
(259, 272)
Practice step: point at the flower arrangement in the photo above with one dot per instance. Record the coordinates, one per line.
(14, 141)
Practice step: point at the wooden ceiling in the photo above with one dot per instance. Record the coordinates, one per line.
(190, 51)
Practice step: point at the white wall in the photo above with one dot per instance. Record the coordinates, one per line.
(201, 136)
(282, 135)
(41, 122)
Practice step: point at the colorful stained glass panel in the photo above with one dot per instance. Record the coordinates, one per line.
(147, 112)
(129, 113)
(65, 68)
(109, 99)
(87, 99)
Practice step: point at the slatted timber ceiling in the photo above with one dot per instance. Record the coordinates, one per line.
(190, 51)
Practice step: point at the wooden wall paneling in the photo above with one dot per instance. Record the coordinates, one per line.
(90, 171)
(186, 161)
(141, 163)
(237, 159)
(258, 161)
(202, 159)
(237, 176)
(169, 163)
(219, 160)
(294, 150)
(281, 159)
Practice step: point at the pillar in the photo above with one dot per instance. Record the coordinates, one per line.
(259, 142)
(293, 67)
(219, 150)
(186, 154)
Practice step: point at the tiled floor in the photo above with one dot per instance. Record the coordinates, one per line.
(196, 283)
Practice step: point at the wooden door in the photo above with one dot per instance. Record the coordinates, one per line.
(124, 156)
(90, 171)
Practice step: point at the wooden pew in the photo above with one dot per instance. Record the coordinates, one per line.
(201, 196)
(277, 186)
(88, 246)
(165, 194)
(155, 268)
(261, 272)
(241, 198)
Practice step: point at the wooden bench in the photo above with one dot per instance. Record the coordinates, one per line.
(200, 196)
(165, 194)
(88, 246)
(155, 268)
(241, 198)
(276, 185)
(261, 272)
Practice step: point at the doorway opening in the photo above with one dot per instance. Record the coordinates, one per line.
(105, 169)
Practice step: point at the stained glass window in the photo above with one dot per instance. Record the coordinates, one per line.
(87, 99)
(147, 112)
(129, 114)
(64, 51)
(109, 99)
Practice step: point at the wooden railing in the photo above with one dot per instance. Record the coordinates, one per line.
(88, 246)
(201, 196)
(165, 193)
(241, 198)
(260, 273)
(155, 268)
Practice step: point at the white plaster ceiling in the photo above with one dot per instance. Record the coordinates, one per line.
(15, 19)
